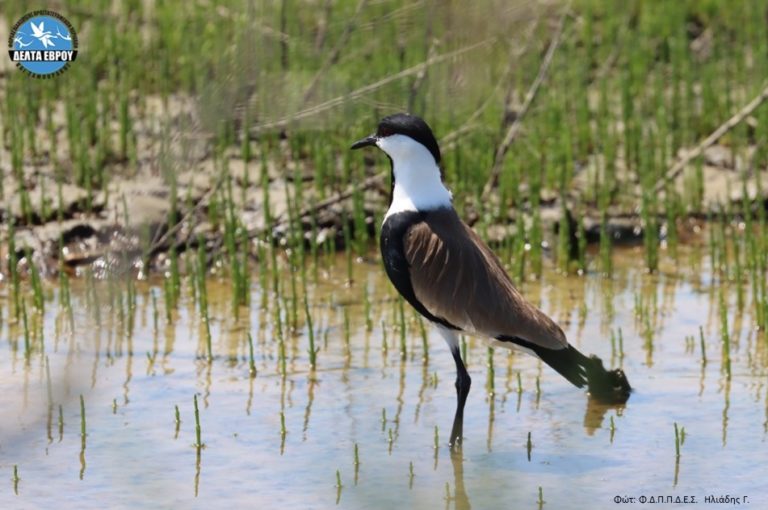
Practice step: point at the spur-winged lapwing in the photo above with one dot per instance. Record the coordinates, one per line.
(451, 277)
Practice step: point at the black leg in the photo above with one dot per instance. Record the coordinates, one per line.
(463, 382)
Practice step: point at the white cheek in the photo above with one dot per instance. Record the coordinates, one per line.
(387, 145)
(418, 185)
(400, 147)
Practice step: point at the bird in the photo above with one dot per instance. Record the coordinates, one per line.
(17, 40)
(61, 36)
(445, 271)
(43, 35)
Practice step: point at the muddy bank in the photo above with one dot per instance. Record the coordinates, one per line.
(176, 195)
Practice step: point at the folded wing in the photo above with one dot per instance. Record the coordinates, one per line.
(459, 279)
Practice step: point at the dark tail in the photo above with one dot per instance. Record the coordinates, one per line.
(607, 386)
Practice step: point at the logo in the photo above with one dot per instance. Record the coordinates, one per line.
(42, 44)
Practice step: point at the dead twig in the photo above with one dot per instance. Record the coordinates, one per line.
(322, 25)
(368, 183)
(514, 128)
(335, 53)
(731, 123)
(418, 81)
(332, 103)
(449, 141)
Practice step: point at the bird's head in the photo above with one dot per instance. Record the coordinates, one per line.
(404, 138)
(417, 179)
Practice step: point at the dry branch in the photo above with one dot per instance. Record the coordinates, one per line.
(514, 128)
(332, 103)
(367, 183)
(731, 123)
(335, 53)
(450, 140)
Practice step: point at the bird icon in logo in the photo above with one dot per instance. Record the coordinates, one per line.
(63, 37)
(17, 40)
(44, 36)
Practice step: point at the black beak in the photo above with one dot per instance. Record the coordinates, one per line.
(365, 142)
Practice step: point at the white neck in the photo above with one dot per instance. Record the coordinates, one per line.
(418, 185)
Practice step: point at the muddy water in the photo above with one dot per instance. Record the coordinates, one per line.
(132, 374)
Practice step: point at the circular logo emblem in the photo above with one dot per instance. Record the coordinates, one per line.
(42, 44)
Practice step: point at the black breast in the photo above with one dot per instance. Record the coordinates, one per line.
(395, 262)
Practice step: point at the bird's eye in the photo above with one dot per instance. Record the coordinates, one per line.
(384, 132)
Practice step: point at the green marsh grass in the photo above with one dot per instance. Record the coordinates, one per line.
(636, 111)
(311, 335)
(219, 288)
(347, 331)
(402, 327)
(60, 422)
(16, 479)
(198, 439)
(724, 333)
(251, 362)
(13, 264)
(490, 385)
(528, 446)
(176, 420)
(367, 308)
(384, 346)
(338, 486)
(37, 287)
(424, 339)
(82, 417)
(282, 358)
(27, 334)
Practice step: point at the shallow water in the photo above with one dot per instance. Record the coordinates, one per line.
(135, 456)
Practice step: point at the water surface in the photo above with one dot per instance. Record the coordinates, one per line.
(132, 375)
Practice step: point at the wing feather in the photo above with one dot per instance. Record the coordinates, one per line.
(458, 278)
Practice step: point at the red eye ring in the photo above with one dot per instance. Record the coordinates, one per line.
(384, 132)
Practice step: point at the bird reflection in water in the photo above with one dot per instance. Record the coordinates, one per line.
(460, 499)
(595, 414)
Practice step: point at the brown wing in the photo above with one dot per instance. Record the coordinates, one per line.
(457, 278)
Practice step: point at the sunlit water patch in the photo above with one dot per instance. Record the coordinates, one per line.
(369, 416)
